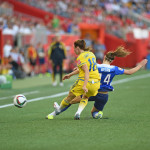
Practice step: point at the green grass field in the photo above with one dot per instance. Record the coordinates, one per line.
(125, 124)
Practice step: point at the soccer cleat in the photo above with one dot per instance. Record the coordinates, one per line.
(50, 117)
(54, 83)
(61, 84)
(98, 115)
(56, 107)
(77, 117)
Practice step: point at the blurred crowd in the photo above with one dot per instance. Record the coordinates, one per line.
(21, 62)
(31, 59)
(88, 7)
(13, 23)
(112, 13)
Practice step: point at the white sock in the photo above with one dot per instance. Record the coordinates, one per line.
(82, 105)
(80, 109)
(53, 113)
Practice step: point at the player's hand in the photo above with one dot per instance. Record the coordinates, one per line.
(67, 76)
(76, 68)
(85, 89)
(143, 62)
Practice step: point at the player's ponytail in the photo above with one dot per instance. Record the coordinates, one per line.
(82, 45)
(119, 52)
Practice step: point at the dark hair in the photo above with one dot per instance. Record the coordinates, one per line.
(119, 52)
(82, 45)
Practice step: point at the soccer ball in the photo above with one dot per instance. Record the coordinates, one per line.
(20, 100)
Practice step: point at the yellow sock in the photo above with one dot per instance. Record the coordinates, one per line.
(82, 105)
(53, 77)
(64, 103)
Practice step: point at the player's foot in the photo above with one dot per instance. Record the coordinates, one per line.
(54, 83)
(50, 117)
(56, 107)
(61, 84)
(99, 115)
(77, 117)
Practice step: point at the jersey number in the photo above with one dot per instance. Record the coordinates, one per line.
(92, 62)
(107, 79)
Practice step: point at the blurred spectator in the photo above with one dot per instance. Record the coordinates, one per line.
(88, 40)
(126, 28)
(15, 62)
(58, 31)
(47, 19)
(17, 70)
(55, 22)
(9, 29)
(32, 56)
(73, 28)
(1, 23)
(139, 23)
(14, 54)
(41, 58)
(148, 58)
(99, 50)
(7, 48)
(57, 54)
(6, 8)
(25, 29)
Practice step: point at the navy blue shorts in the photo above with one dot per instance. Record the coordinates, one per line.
(100, 100)
(42, 61)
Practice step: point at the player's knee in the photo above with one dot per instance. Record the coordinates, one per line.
(84, 100)
(72, 102)
(69, 97)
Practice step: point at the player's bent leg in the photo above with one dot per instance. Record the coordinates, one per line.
(63, 106)
(100, 102)
(81, 107)
(65, 103)
(76, 100)
(57, 108)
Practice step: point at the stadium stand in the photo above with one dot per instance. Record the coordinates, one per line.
(112, 22)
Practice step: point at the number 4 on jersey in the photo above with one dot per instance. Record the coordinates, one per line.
(107, 79)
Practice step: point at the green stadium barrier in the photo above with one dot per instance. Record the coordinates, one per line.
(8, 84)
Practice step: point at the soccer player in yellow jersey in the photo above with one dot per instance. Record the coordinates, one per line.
(88, 81)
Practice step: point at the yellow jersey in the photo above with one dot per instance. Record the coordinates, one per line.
(89, 59)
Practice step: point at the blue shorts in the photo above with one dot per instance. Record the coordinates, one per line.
(42, 61)
(100, 100)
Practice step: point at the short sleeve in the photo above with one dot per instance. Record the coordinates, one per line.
(81, 61)
(119, 71)
(99, 68)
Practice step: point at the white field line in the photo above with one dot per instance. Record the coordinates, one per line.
(65, 93)
(38, 99)
(27, 93)
(131, 79)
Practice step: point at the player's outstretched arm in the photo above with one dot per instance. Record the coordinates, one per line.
(67, 76)
(135, 69)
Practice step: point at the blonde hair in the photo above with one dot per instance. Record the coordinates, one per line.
(82, 45)
(119, 52)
